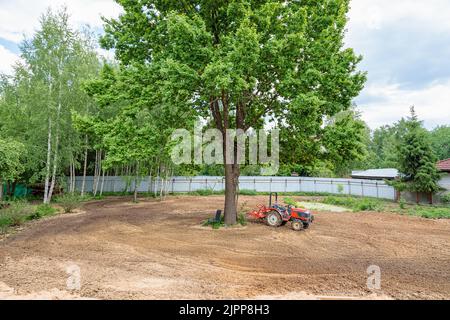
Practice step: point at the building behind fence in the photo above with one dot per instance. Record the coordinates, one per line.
(355, 187)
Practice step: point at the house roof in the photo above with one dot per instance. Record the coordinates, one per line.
(444, 165)
(376, 174)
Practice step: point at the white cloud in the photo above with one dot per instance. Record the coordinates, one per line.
(389, 103)
(374, 14)
(7, 60)
(405, 45)
(21, 17)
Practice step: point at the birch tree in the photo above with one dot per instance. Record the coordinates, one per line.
(56, 56)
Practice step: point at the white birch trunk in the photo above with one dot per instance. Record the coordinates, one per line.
(48, 164)
(83, 183)
(56, 152)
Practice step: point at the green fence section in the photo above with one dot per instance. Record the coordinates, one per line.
(20, 192)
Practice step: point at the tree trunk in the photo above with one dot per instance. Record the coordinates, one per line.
(136, 179)
(230, 195)
(55, 167)
(58, 126)
(103, 183)
(71, 177)
(98, 171)
(83, 183)
(1, 189)
(149, 189)
(48, 164)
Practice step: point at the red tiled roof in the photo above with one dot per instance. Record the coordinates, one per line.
(444, 165)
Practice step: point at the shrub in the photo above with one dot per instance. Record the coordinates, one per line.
(340, 188)
(15, 215)
(431, 212)
(446, 198)
(69, 202)
(402, 203)
(242, 219)
(41, 211)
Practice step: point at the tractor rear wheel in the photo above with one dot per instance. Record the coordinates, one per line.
(297, 225)
(274, 219)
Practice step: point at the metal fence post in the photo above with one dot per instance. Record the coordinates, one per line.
(378, 192)
(362, 188)
(349, 188)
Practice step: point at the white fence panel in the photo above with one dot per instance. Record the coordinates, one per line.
(366, 188)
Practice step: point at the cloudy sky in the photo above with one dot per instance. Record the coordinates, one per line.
(405, 44)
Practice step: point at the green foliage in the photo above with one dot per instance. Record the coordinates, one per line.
(402, 203)
(430, 212)
(37, 100)
(235, 63)
(440, 139)
(42, 211)
(242, 219)
(69, 202)
(11, 162)
(15, 215)
(205, 192)
(417, 161)
(446, 198)
(356, 204)
(290, 202)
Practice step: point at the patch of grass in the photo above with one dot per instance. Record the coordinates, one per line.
(41, 211)
(356, 204)
(205, 192)
(290, 202)
(430, 212)
(69, 202)
(241, 219)
(248, 192)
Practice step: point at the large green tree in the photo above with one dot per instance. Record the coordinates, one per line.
(241, 62)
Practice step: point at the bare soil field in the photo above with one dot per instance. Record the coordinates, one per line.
(154, 250)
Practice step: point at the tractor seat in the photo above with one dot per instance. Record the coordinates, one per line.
(283, 209)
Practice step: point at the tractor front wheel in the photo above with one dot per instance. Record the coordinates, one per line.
(274, 219)
(297, 225)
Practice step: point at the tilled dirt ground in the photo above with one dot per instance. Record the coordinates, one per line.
(155, 250)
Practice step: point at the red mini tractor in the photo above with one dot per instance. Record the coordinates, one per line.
(277, 216)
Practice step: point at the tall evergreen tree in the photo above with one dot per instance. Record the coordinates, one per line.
(416, 158)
